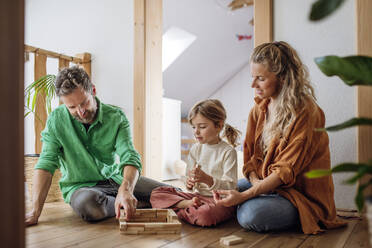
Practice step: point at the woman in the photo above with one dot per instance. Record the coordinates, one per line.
(280, 146)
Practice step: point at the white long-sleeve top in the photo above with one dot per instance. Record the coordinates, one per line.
(219, 161)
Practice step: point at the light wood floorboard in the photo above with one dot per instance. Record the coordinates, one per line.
(59, 226)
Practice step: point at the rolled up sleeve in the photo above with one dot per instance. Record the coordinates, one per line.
(51, 149)
(289, 162)
(125, 150)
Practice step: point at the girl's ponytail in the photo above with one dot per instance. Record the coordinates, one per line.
(232, 134)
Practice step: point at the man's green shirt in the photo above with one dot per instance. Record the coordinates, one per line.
(85, 157)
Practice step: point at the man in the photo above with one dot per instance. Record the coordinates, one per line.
(90, 143)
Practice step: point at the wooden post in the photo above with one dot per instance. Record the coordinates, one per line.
(86, 64)
(263, 21)
(154, 87)
(40, 109)
(63, 63)
(364, 93)
(139, 83)
(12, 187)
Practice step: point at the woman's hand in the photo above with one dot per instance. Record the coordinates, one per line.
(199, 176)
(227, 198)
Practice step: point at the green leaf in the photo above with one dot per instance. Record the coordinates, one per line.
(351, 167)
(27, 113)
(349, 123)
(323, 8)
(353, 70)
(361, 169)
(33, 102)
(359, 198)
(318, 173)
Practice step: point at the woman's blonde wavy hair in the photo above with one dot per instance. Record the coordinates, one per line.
(295, 88)
(213, 110)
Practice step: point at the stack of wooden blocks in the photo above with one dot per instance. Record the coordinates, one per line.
(150, 221)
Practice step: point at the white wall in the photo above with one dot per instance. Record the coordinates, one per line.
(171, 137)
(237, 98)
(335, 35)
(102, 28)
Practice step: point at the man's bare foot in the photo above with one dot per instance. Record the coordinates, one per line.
(195, 201)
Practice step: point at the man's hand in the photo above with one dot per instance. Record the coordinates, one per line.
(200, 176)
(227, 198)
(31, 218)
(40, 186)
(126, 200)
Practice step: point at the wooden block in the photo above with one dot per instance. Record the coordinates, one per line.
(123, 226)
(231, 240)
(162, 226)
(168, 232)
(151, 221)
(130, 232)
(158, 219)
(154, 225)
(147, 213)
(171, 216)
(161, 213)
(135, 228)
(136, 224)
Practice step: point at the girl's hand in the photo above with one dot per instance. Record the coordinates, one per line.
(189, 183)
(227, 198)
(200, 176)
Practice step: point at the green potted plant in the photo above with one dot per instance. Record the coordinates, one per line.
(44, 85)
(352, 70)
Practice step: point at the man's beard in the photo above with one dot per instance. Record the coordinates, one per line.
(91, 114)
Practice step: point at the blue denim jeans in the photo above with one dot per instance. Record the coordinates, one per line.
(266, 212)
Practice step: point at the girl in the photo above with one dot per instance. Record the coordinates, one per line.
(211, 165)
(280, 146)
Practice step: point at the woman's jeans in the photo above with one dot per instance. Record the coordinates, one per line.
(98, 202)
(266, 212)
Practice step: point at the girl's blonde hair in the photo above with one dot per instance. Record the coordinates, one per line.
(213, 110)
(295, 88)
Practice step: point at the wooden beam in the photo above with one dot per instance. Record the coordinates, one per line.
(76, 60)
(139, 83)
(12, 189)
(263, 21)
(154, 87)
(364, 93)
(86, 62)
(40, 109)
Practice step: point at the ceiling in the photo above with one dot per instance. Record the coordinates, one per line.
(216, 55)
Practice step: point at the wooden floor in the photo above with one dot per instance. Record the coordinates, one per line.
(59, 226)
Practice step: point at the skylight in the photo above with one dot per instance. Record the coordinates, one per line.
(175, 42)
